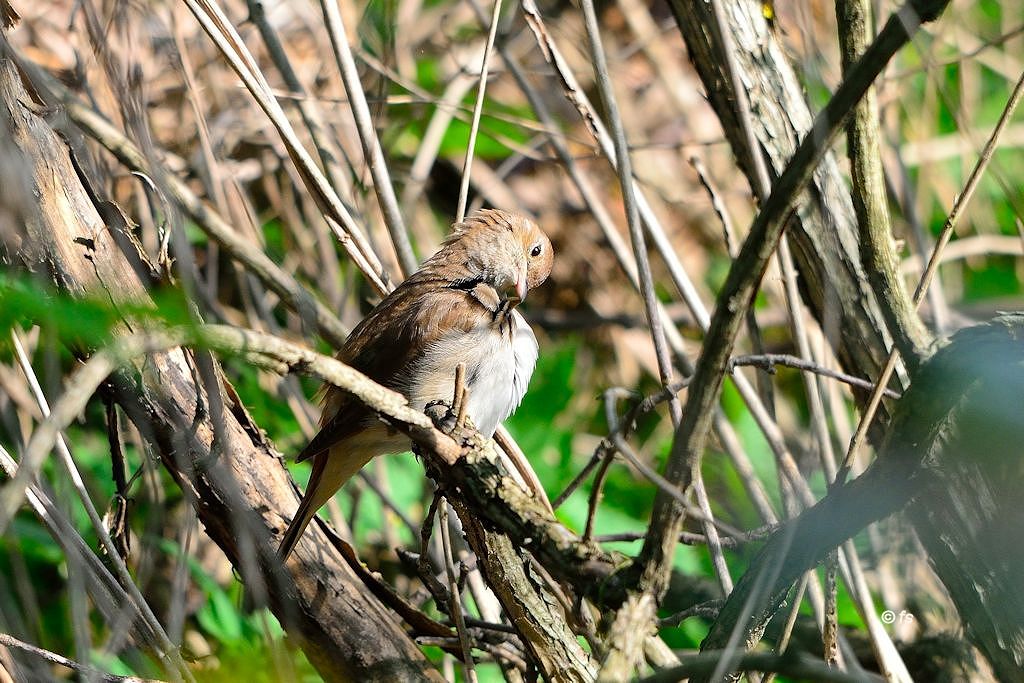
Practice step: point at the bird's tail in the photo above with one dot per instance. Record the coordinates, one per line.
(299, 523)
(331, 469)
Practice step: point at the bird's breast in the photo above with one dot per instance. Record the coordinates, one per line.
(499, 362)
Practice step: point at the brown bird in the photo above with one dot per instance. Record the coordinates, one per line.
(459, 307)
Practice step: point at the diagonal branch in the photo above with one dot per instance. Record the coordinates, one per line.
(742, 281)
(207, 218)
(372, 151)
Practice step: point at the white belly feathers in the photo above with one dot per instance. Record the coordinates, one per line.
(497, 372)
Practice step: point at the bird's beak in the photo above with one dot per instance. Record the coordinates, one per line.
(521, 286)
(521, 282)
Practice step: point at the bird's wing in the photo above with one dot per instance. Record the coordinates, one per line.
(386, 343)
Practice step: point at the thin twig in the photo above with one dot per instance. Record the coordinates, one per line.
(714, 543)
(478, 108)
(624, 169)
(793, 665)
(967, 247)
(496, 652)
(830, 635)
(372, 151)
(454, 594)
(117, 513)
(665, 487)
(595, 460)
(718, 205)
(220, 29)
(490, 626)
(685, 537)
(307, 106)
(595, 494)
(445, 109)
(87, 672)
(578, 98)
(794, 611)
(424, 569)
(521, 466)
(705, 610)
(624, 427)
(760, 183)
(905, 191)
(768, 361)
(460, 399)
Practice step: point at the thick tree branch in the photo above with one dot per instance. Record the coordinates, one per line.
(869, 196)
(527, 601)
(823, 234)
(743, 279)
(237, 481)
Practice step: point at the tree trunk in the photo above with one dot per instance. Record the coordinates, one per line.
(824, 234)
(182, 403)
(956, 450)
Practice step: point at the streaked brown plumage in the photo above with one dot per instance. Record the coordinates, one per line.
(459, 307)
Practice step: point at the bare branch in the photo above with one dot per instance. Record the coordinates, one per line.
(737, 293)
(54, 658)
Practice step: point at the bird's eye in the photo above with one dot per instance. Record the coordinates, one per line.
(536, 250)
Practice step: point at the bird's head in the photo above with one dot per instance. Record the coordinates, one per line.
(507, 250)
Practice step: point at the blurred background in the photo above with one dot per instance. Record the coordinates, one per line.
(150, 69)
